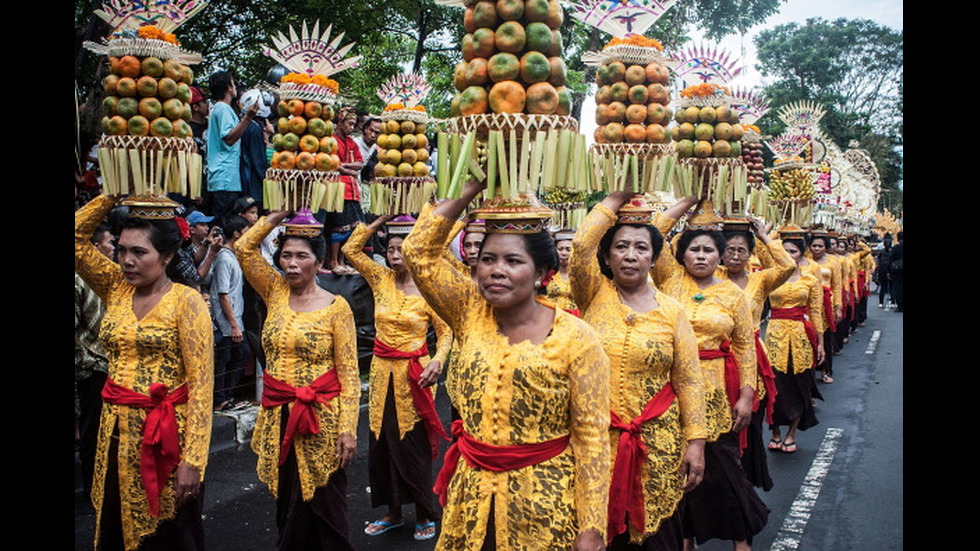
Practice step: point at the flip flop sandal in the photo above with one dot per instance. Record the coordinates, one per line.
(827, 378)
(775, 444)
(420, 534)
(385, 526)
(789, 448)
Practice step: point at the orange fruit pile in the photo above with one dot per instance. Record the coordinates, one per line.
(402, 149)
(511, 59)
(304, 137)
(632, 103)
(147, 97)
(708, 131)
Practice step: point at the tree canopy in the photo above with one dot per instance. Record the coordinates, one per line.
(855, 70)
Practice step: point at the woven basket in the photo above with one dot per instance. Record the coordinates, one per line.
(707, 101)
(148, 143)
(482, 124)
(628, 54)
(144, 47)
(406, 115)
(307, 92)
(293, 176)
(638, 149)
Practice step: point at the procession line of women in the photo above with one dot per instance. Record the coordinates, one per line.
(630, 416)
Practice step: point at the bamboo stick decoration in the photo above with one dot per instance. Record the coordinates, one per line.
(197, 168)
(564, 144)
(551, 149)
(492, 163)
(515, 176)
(498, 137)
(524, 161)
(455, 143)
(442, 163)
(461, 165)
(634, 173)
(537, 157)
(574, 176)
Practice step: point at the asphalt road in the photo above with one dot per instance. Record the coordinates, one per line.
(842, 490)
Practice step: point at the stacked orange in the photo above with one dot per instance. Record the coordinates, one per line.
(511, 59)
(402, 149)
(704, 131)
(147, 96)
(304, 138)
(632, 103)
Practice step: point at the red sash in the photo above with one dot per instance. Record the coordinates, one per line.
(863, 291)
(575, 312)
(768, 378)
(302, 417)
(626, 489)
(731, 380)
(828, 308)
(160, 452)
(798, 313)
(492, 458)
(425, 404)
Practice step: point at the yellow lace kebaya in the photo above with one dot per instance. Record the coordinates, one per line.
(516, 394)
(776, 267)
(646, 351)
(718, 313)
(786, 340)
(401, 321)
(299, 348)
(463, 269)
(560, 292)
(173, 344)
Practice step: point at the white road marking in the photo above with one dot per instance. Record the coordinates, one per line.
(873, 343)
(799, 513)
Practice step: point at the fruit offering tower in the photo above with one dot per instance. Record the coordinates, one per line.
(510, 121)
(402, 180)
(147, 148)
(512, 60)
(303, 174)
(750, 108)
(791, 192)
(633, 97)
(708, 133)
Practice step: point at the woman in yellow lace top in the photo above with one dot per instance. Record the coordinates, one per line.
(533, 397)
(825, 266)
(775, 266)
(405, 429)
(794, 340)
(653, 357)
(848, 275)
(305, 432)
(725, 505)
(158, 338)
(559, 287)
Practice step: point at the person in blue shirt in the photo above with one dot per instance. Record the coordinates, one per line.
(225, 130)
(254, 161)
